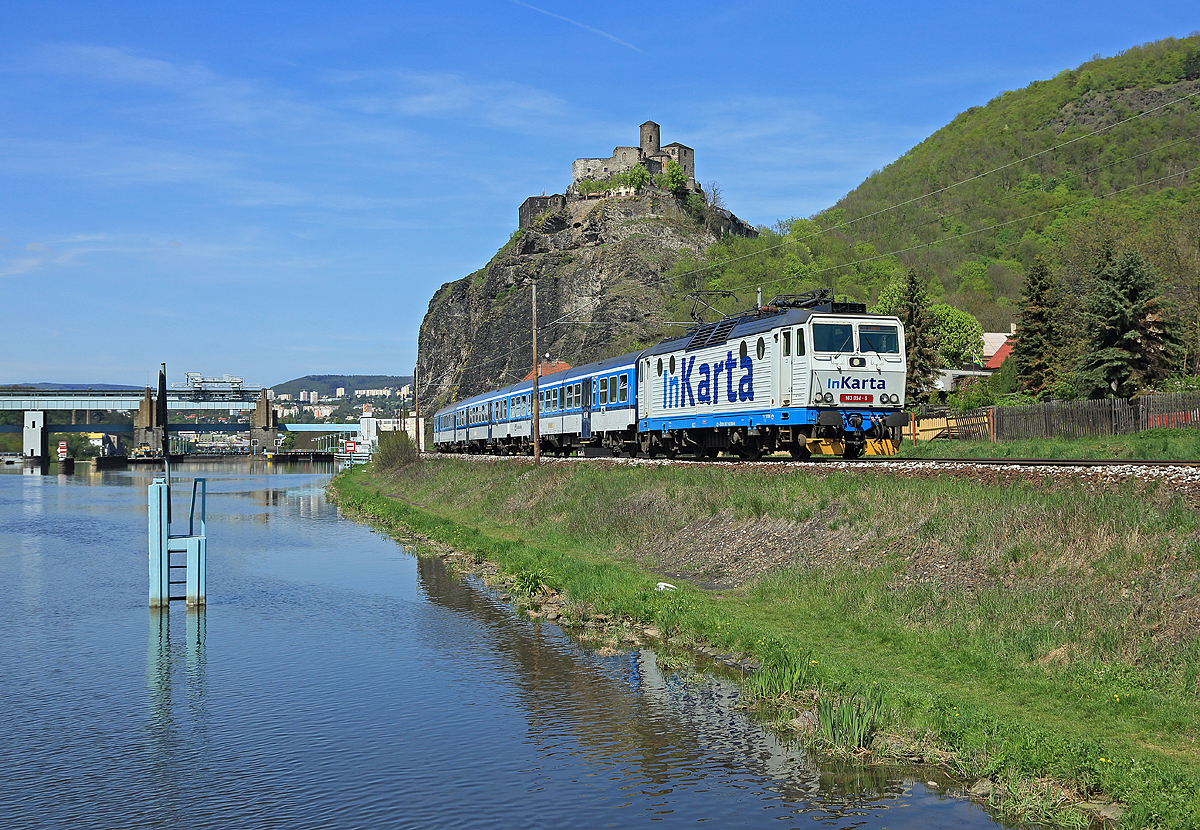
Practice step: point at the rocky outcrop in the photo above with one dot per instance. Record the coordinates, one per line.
(599, 266)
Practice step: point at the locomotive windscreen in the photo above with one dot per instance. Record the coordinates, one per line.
(833, 337)
(876, 338)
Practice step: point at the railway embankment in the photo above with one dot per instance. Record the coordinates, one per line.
(1033, 632)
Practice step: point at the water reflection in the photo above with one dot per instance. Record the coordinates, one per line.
(162, 662)
(660, 735)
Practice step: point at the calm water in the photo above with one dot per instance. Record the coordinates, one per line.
(336, 682)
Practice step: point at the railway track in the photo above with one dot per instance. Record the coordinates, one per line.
(861, 462)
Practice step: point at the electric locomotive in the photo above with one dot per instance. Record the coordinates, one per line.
(804, 374)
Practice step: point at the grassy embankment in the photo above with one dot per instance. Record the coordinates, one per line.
(1156, 444)
(1066, 654)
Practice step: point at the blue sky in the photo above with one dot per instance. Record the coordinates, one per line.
(277, 189)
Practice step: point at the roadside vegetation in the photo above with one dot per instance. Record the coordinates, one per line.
(1039, 637)
(1166, 444)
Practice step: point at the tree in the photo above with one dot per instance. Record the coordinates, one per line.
(959, 336)
(1131, 344)
(637, 177)
(674, 179)
(1036, 339)
(920, 348)
(889, 298)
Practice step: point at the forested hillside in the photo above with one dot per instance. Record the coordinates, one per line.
(1068, 173)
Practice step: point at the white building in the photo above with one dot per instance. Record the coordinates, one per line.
(369, 430)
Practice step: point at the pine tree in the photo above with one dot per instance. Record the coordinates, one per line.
(1037, 335)
(1131, 343)
(920, 346)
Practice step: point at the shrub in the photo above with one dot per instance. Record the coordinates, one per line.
(396, 450)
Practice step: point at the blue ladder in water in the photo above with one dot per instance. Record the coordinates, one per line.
(163, 544)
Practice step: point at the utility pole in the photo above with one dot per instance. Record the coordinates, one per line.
(537, 371)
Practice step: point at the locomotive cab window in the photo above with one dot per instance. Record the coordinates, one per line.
(787, 343)
(799, 342)
(762, 348)
(744, 351)
(876, 338)
(833, 337)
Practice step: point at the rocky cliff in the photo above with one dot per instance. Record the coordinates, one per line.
(599, 264)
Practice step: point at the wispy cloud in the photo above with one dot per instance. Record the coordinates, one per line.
(502, 105)
(583, 26)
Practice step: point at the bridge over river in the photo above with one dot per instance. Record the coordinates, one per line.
(224, 395)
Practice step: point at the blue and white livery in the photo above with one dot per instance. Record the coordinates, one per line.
(803, 375)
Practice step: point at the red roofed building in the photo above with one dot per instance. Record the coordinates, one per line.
(997, 359)
(549, 367)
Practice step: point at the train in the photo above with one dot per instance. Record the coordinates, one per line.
(804, 374)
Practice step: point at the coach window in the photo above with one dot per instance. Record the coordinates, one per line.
(579, 395)
(603, 384)
(624, 388)
(612, 389)
(787, 343)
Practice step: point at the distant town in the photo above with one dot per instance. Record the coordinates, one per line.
(310, 406)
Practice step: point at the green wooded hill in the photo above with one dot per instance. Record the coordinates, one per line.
(1074, 169)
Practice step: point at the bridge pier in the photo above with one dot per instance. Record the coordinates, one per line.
(146, 428)
(264, 426)
(35, 437)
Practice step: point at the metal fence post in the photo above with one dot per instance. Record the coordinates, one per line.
(159, 497)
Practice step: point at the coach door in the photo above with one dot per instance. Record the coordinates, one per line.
(585, 422)
(785, 367)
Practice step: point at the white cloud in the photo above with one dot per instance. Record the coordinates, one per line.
(37, 247)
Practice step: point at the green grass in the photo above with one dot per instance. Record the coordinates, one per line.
(1153, 444)
(1072, 644)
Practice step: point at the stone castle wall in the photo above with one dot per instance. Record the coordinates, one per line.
(649, 153)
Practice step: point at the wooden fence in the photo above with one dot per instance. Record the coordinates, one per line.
(1061, 419)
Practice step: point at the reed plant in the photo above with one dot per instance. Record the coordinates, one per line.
(850, 723)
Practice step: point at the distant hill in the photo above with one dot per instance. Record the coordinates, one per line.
(328, 384)
(1100, 157)
(54, 386)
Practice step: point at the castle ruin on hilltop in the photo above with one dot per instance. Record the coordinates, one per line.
(649, 154)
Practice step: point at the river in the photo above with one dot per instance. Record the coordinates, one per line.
(334, 681)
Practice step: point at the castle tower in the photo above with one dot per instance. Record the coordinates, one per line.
(651, 136)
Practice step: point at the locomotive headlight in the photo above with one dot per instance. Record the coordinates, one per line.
(828, 397)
